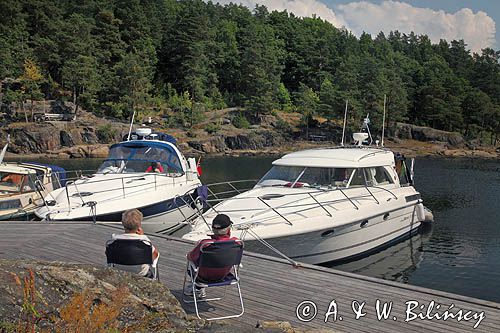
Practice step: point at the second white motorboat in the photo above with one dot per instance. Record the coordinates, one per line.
(324, 205)
(146, 171)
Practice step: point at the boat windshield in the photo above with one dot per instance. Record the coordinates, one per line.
(306, 176)
(11, 182)
(126, 159)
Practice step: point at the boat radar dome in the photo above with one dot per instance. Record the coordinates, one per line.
(143, 131)
(359, 138)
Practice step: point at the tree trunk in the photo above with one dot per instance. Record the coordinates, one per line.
(192, 109)
(32, 111)
(307, 129)
(24, 111)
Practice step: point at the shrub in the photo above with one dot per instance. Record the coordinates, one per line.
(212, 128)
(240, 121)
(106, 133)
(283, 126)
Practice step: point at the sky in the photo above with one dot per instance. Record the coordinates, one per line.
(470, 20)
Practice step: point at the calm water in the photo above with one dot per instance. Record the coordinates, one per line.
(459, 253)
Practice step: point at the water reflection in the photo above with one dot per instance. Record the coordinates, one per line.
(396, 263)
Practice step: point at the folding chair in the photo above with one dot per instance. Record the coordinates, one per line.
(131, 252)
(215, 254)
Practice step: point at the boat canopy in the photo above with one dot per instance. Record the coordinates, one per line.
(338, 158)
(140, 154)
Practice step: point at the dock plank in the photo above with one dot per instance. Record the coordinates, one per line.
(271, 287)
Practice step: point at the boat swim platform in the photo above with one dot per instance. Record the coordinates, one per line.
(272, 288)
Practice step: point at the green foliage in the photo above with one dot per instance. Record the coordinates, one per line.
(307, 102)
(106, 133)
(283, 126)
(240, 121)
(117, 57)
(284, 100)
(212, 128)
(328, 100)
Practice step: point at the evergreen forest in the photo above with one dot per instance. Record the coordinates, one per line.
(189, 57)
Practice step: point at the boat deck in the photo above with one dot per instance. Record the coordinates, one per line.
(271, 287)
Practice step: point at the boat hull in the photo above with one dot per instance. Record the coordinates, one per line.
(162, 217)
(345, 243)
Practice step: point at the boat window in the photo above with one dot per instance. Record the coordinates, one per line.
(316, 177)
(123, 159)
(325, 177)
(10, 204)
(151, 153)
(331, 177)
(13, 183)
(29, 183)
(56, 181)
(281, 175)
(119, 153)
(358, 178)
(340, 177)
(377, 176)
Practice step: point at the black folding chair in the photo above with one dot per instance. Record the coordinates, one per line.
(215, 254)
(131, 252)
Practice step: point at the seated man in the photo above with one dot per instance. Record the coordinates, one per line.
(132, 223)
(221, 228)
(155, 167)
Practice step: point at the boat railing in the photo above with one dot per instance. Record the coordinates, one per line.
(299, 206)
(126, 186)
(228, 189)
(195, 206)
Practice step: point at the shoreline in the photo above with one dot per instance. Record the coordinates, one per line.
(410, 148)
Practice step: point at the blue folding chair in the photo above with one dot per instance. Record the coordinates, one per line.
(124, 253)
(215, 255)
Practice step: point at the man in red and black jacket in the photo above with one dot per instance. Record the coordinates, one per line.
(221, 228)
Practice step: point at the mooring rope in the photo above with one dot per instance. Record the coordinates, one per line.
(272, 248)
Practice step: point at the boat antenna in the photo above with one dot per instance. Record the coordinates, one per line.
(131, 124)
(383, 122)
(345, 120)
(4, 150)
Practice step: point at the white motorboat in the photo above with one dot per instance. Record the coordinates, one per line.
(146, 171)
(24, 185)
(323, 205)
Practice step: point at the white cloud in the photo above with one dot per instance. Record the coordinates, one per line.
(477, 29)
(302, 8)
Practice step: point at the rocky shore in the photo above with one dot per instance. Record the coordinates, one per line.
(90, 137)
(40, 296)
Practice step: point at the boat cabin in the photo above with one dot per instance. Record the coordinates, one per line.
(333, 168)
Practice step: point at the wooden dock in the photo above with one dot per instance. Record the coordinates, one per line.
(272, 288)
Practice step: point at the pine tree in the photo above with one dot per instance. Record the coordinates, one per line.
(307, 102)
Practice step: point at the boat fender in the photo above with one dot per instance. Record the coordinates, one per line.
(420, 212)
(192, 169)
(429, 217)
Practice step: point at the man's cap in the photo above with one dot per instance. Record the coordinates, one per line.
(221, 221)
